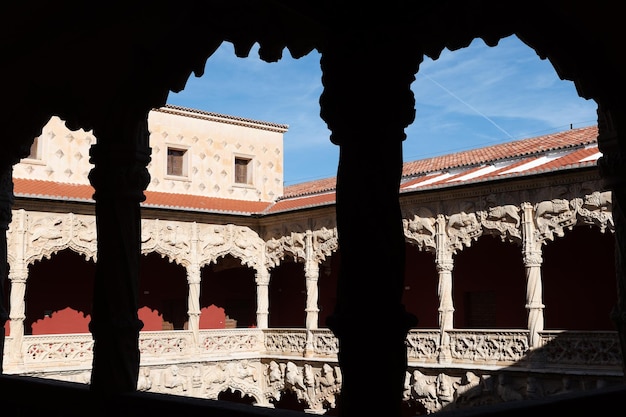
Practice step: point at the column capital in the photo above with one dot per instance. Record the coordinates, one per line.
(365, 83)
(120, 170)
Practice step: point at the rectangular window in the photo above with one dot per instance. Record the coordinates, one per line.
(176, 162)
(480, 309)
(243, 170)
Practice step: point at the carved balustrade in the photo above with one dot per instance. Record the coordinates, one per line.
(560, 349)
(265, 364)
(581, 349)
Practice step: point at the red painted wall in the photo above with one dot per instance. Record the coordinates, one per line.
(420, 287)
(212, 317)
(490, 270)
(163, 289)
(327, 284)
(231, 286)
(63, 321)
(579, 283)
(287, 295)
(65, 280)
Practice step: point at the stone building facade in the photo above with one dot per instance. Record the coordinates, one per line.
(221, 238)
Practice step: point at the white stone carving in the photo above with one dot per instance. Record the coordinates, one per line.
(231, 340)
(502, 220)
(489, 346)
(324, 243)
(284, 341)
(420, 230)
(596, 209)
(462, 228)
(160, 344)
(552, 217)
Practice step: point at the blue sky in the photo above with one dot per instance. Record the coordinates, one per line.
(470, 98)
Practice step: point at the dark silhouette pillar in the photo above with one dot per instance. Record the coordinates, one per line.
(612, 164)
(119, 178)
(6, 203)
(367, 103)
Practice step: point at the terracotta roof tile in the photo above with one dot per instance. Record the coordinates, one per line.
(565, 150)
(519, 148)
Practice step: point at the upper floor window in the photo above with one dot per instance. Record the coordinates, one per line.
(243, 170)
(177, 162)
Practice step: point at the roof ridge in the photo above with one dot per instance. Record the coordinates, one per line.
(570, 139)
(187, 111)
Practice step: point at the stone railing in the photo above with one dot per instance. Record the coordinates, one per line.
(423, 345)
(559, 349)
(566, 348)
(472, 367)
(57, 350)
(493, 347)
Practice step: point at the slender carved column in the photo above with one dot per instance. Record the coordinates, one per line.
(532, 265)
(262, 296)
(612, 164)
(119, 177)
(18, 275)
(6, 203)
(444, 264)
(367, 102)
(193, 280)
(311, 273)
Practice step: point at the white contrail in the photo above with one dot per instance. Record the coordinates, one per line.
(468, 105)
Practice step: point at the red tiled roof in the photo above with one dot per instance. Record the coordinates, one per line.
(565, 150)
(78, 192)
(316, 186)
(295, 203)
(518, 148)
(209, 204)
(54, 190)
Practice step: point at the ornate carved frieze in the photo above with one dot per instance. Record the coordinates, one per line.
(170, 239)
(596, 209)
(285, 341)
(160, 344)
(489, 346)
(462, 228)
(423, 345)
(231, 341)
(503, 221)
(420, 230)
(552, 217)
(325, 242)
(216, 241)
(75, 349)
(48, 233)
(316, 386)
(580, 348)
(325, 342)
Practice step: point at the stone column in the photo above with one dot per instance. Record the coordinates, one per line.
(311, 274)
(262, 296)
(6, 204)
(612, 164)
(444, 264)
(119, 178)
(193, 281)
(367, 102)
(532, 265)
(18, 275)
